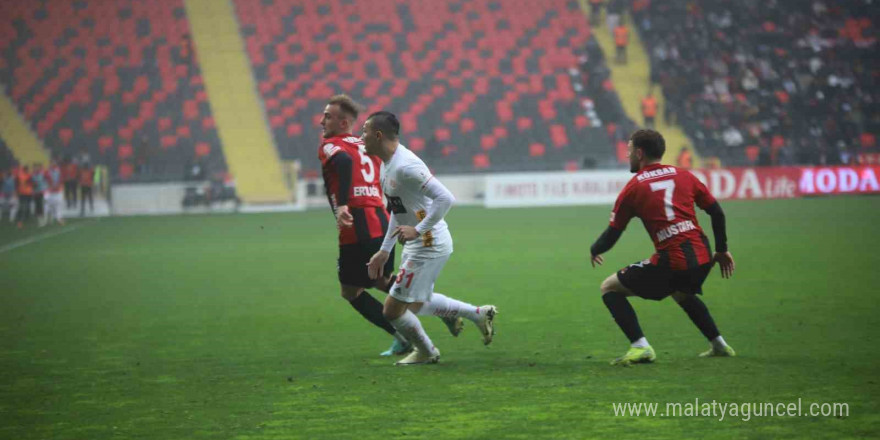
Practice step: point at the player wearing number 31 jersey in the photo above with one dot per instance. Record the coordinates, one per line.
(663, 196)
(417, 202)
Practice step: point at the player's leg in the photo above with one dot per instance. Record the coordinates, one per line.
(614, 296)
(640, 279)
(422, 275)
(59, 208)
(13, 208)
(353, 280)
(404, 296)
(453, 323)
(82, 201)
(699, 314)
(406, 322)
(688, 284)
(368, 306)
(39, 208)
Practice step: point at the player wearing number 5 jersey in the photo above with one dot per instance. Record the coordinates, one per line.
(417, 202)
(351, 180)
(663, 197)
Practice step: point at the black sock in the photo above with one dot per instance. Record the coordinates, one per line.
(624, 315)
(371, 309)
(699, 314)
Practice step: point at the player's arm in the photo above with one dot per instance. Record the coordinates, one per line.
(707, 202)
(442, 201)
(342, 164)
(719, 229)
(620, 216)
(376, 266)
(603, 244)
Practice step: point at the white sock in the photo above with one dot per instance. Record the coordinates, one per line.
(408, 324)
(640, 343)
(719, 342)
(446, 307)
(400, 338)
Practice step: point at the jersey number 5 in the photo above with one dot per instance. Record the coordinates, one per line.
(668, 187)
(367, 165)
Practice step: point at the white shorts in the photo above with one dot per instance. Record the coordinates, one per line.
(415, 280)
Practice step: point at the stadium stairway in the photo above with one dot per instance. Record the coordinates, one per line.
(632, 83)
(241, 122)
(26, 147)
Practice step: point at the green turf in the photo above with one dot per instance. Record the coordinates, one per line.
(231, 326)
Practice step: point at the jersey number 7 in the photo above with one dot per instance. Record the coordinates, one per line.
(668, 187)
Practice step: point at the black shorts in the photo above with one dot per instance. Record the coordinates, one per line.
(353, 259)
(657, 282)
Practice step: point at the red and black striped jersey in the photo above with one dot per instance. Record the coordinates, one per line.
(351, 178)
(663, 196)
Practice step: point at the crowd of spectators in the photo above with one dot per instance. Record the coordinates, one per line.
(768, 82)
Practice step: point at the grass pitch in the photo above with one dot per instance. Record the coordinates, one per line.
(231, 326)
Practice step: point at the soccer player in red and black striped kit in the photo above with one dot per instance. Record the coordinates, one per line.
(663, 196)
(354, 191)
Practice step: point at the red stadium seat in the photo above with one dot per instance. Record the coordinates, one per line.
(416, 144)
(442, 134)
(481, 161)
(536, 150)
(487, 142)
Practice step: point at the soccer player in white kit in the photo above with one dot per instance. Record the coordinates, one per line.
(55, 195)
(418, 202)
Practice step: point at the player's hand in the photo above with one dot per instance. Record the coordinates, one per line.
(725, 260)
(344, 218)
(596, 260)
(405, 234)
(376, 266)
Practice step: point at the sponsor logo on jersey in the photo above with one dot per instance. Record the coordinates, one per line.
(675, 229)
(366, 191)
(395, 205)
(330, 150)
(427, 237)
(660, 172)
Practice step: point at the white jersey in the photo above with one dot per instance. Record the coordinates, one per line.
(403, 181)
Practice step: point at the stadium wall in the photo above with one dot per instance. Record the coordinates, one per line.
(507, 190)
(585, 188)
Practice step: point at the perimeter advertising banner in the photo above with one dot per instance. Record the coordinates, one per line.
(602, 187)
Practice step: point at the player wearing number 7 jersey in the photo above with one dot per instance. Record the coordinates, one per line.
(663, 196)
(417, 202)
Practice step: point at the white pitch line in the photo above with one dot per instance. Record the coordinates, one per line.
(27, 241)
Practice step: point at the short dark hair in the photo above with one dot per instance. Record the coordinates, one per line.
(385, 122)
(346, 104)
(650, 141)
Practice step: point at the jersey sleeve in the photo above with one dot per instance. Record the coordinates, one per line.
(702, 197)
(342, 163)
(417, 175)
(622, 212)
(327, 151)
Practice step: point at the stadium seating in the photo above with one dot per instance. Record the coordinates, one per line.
(114, 77)
(6, 158)
(768, 82)
(478, 85)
